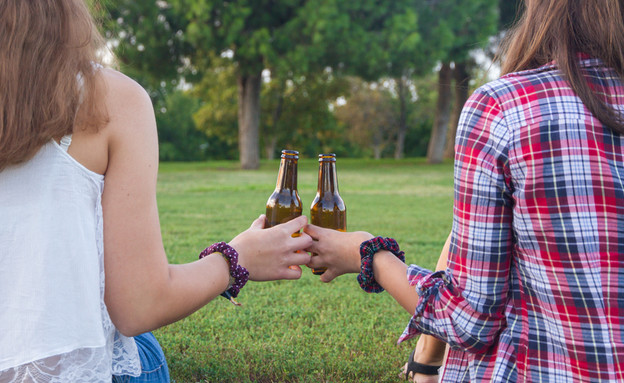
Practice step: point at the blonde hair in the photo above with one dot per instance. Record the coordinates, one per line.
(48, 53)
(560, 29)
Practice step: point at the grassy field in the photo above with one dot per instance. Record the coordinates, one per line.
(298, 331)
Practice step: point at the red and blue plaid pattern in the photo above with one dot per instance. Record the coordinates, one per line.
(534, 290)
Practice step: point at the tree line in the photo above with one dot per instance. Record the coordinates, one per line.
(244, 79)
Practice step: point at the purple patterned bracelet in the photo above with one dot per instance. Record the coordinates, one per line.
(367, 251)
(238, 273)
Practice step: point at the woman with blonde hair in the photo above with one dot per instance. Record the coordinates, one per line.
(533, 289)
(83, 273)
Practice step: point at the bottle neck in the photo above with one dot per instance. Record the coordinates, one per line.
(287, 176)
(327, 181)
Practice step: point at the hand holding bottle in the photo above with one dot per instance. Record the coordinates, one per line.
(273, 253)
(337, 251)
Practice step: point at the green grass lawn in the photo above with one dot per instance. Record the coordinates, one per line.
(298, 331)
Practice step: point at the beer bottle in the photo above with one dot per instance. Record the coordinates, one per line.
(284, 204)
(328, 209)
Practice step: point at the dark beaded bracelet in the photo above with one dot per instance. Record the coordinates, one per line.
(367, 251)
(238, 274)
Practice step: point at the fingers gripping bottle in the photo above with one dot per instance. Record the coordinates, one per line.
(284, 204)
(328, 209)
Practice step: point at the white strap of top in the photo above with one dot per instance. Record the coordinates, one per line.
(65, 142)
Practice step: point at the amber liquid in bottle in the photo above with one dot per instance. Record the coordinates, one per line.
(284, 204)
(328, 209)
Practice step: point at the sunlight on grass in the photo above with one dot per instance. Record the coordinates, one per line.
(298, 331)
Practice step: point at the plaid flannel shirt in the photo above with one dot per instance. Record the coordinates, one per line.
(534, 289)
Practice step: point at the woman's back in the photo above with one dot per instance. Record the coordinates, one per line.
(52, 273)
(568, 179)
(557, 175)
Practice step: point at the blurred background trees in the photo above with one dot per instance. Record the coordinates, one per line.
(244, 79)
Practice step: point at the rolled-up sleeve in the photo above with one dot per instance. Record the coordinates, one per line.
(464, 305)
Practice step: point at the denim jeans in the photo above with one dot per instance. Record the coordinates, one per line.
(153, 363)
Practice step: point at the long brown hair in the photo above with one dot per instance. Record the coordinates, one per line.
(560, 29)
(46, 46)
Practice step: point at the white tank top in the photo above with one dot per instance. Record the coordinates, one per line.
(54, 326)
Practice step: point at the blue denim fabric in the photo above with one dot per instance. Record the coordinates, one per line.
(153, 362)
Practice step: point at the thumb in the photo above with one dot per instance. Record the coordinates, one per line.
(313, 231)
(258, 223)
(293, 272)
(328, 276)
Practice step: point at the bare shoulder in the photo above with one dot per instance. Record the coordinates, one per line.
(123, 93)
(129, 107)
(121, 84)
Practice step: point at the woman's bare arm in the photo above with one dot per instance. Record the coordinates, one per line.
(143, 291)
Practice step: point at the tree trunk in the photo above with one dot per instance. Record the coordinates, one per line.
(403, 95)
(377, 151)
(377, 144)
(269, 147)
(435, 151)
(249, 120)
(271, 142)
(461, 75)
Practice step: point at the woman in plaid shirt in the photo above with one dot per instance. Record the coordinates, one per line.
(534, 285)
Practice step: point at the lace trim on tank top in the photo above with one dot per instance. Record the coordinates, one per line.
(81, 366)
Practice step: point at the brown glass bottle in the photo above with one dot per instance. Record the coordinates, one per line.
(328, 209)
(284, 204)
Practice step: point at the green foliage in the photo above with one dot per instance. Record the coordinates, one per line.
(253, 30)
(217, 114)
(368, 38)
(344, 35)
(148, 39)
(296, 113)
(420, 117)
(413, 42)
(369, 115)
(372, 109)
(509, 12)
(298, 331)
(460, 26)
(307, 46)
(178, 138)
